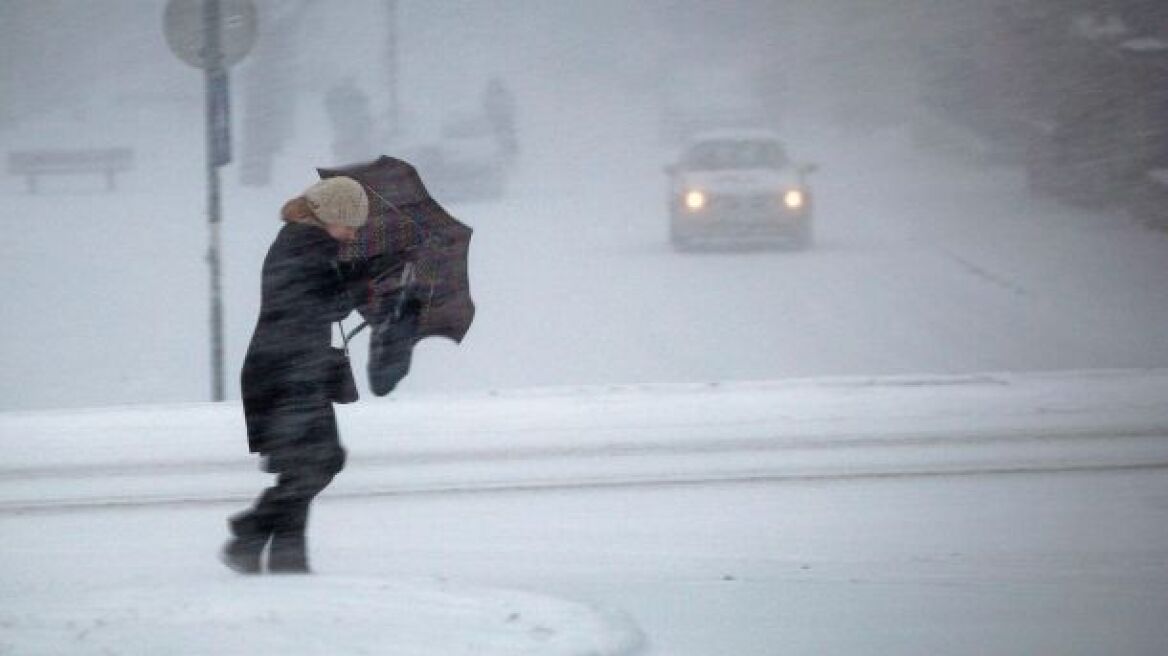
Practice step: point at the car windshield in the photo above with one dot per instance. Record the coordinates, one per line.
(736, 154)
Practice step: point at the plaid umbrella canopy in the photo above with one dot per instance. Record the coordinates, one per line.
(411, 260)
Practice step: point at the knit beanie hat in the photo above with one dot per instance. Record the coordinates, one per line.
(338, 201)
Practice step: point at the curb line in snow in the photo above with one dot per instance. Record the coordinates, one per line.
(766, 432)
(550, 485)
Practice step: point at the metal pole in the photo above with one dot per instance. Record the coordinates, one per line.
(214, 68)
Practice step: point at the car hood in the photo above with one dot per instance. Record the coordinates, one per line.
(739, 180)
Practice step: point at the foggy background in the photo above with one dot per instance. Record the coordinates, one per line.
(989, 193)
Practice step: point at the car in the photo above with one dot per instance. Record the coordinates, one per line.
(739, 187)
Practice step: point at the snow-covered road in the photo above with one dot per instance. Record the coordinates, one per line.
(988, 514)
(1024, 564)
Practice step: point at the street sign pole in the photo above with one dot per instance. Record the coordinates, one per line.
(217, 121)
(213, 35)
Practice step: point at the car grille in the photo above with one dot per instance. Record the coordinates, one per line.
(744, 203)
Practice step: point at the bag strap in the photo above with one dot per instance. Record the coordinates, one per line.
(345, 337)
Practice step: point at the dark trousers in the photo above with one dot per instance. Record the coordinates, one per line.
(305, 464)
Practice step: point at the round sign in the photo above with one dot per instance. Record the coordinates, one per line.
(184, 25)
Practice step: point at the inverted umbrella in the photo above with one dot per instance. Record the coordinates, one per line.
(411, 260)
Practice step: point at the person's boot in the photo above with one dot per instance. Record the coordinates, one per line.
(243, 550)
(288, 553)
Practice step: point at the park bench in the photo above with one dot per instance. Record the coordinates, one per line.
(34, 163)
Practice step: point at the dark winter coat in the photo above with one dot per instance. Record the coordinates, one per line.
(285, 375)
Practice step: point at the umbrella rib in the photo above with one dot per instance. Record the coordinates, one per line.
(385, 200)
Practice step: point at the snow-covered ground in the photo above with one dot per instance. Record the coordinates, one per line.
(620, 435)
(329, 615)
(990, 514)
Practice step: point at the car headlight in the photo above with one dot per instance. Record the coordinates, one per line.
(794, 199)
(694, 199)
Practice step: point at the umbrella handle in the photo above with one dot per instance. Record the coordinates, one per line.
(408, 278)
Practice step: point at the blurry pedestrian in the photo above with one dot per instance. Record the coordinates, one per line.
(287, 374)
(499, 108)
(348, 110)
